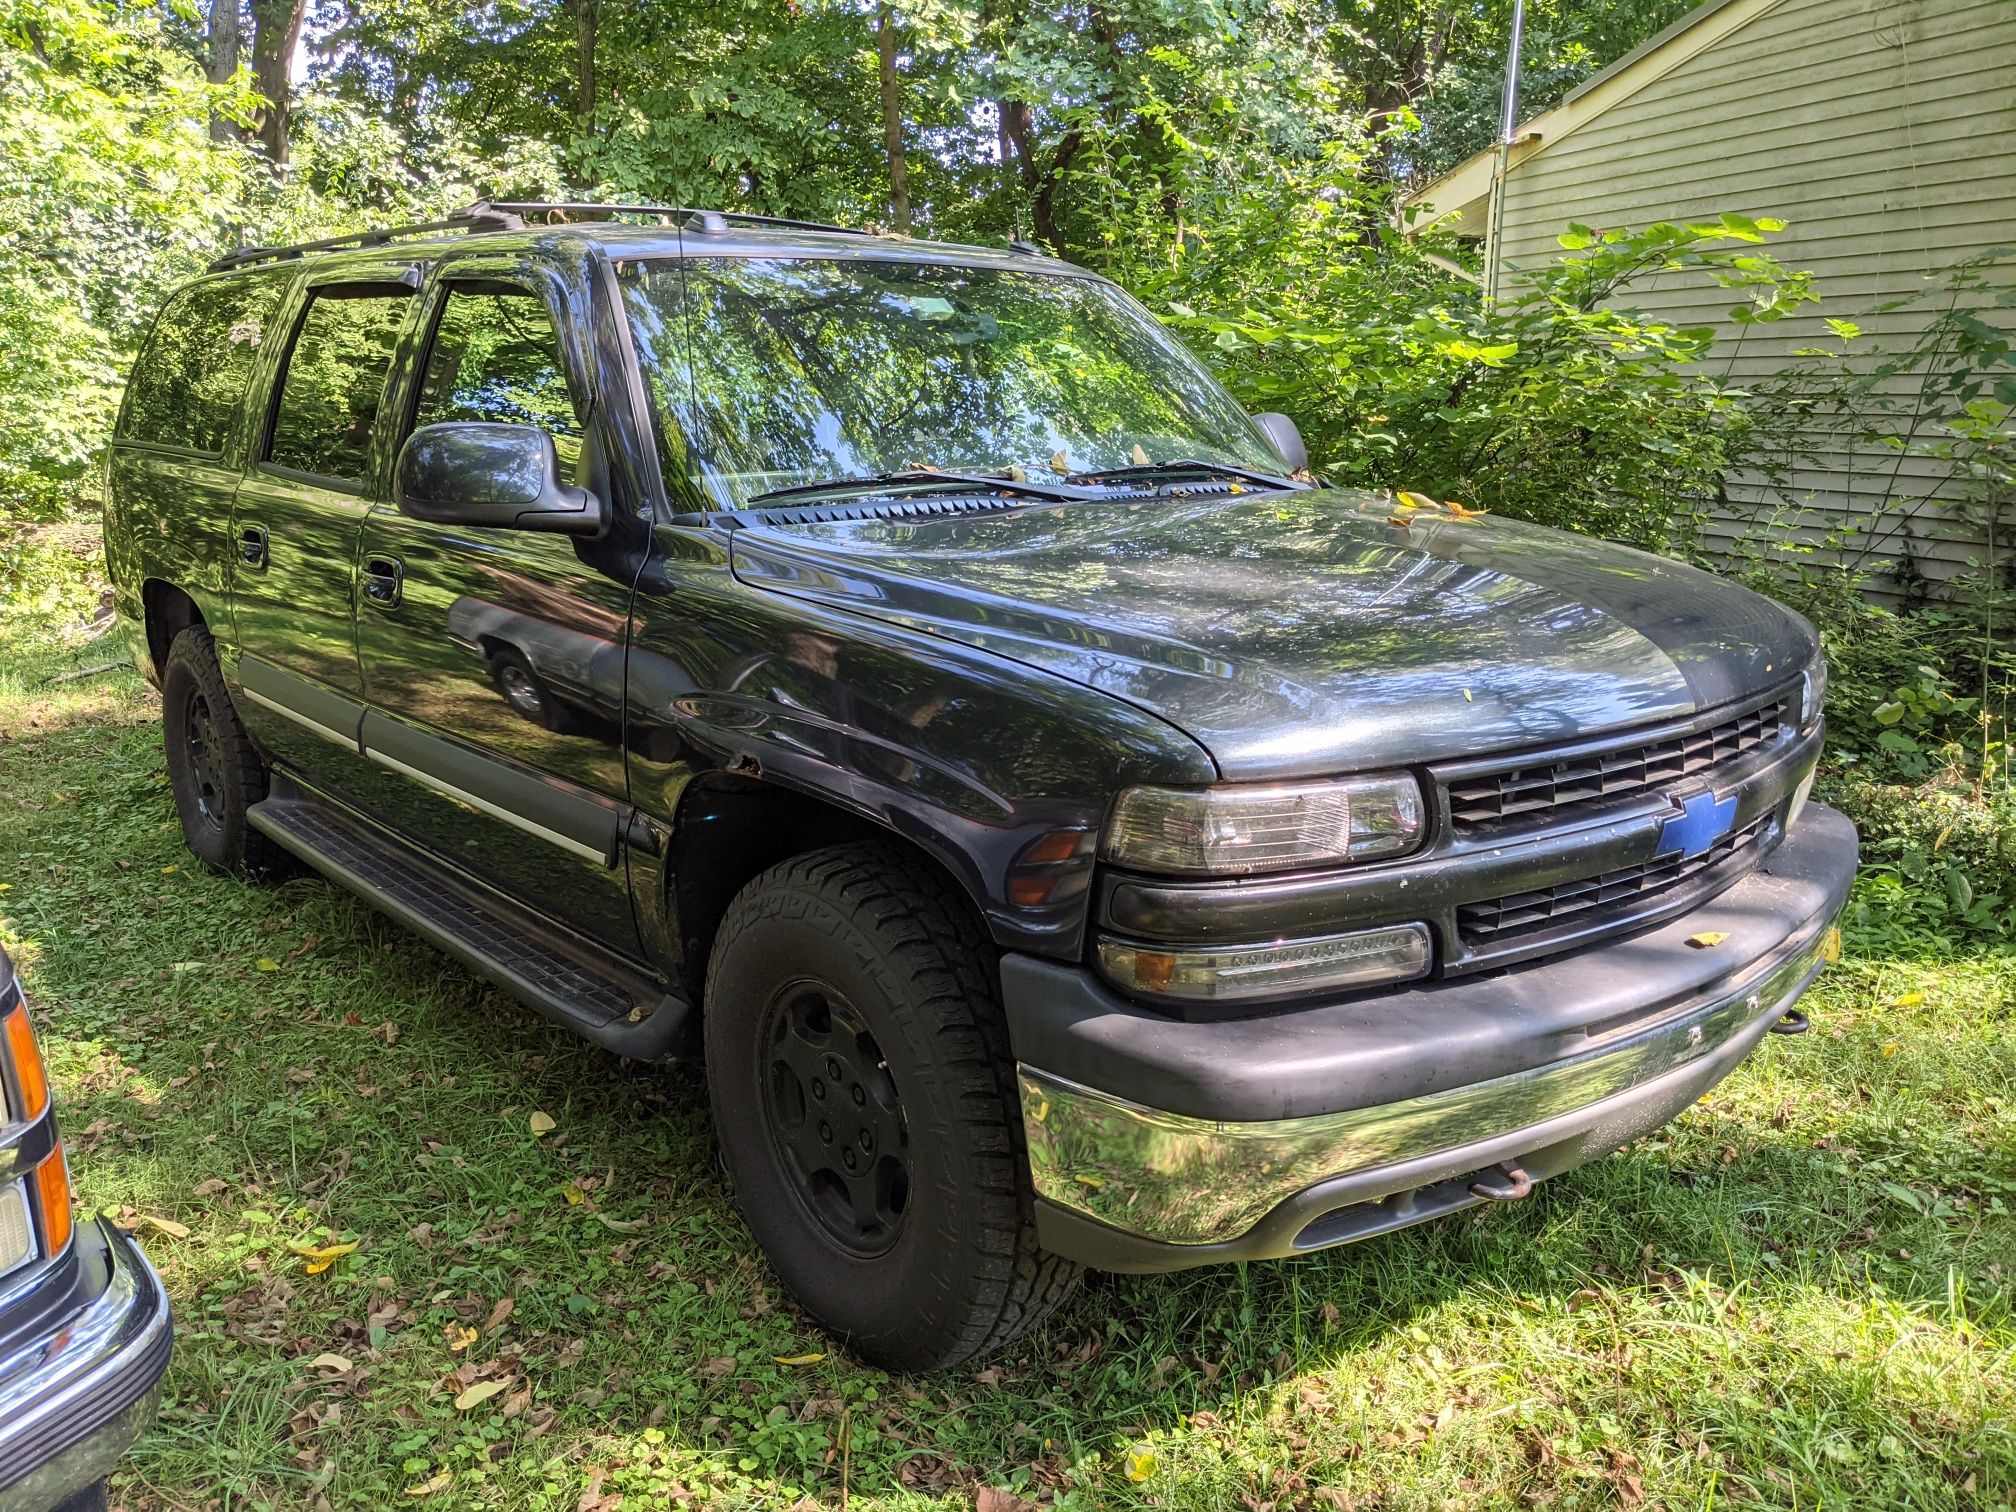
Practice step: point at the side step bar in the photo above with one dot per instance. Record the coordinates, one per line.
(616, 1008)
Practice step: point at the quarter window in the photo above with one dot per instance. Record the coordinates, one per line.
(335, 383)
(191, 375)
(496, 357)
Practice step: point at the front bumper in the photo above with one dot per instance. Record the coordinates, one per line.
(77, 1394)
(1156, 1144)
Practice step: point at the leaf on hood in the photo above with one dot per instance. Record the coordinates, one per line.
(1140, 457)
(1706, 939)
(1059, 465)
(1408, 500)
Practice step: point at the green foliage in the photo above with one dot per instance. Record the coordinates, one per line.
(109, 191)
(1560, 404)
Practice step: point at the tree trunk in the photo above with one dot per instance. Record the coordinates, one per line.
(587, 14)
(892, 122)
(223, 62)
(276, 33)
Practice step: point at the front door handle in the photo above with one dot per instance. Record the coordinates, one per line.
(382, 579)
(252, 545)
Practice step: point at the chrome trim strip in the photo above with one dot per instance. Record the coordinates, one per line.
(496, 811)
(1186, 1180)
(300, 719)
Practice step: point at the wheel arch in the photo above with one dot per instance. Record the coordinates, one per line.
(168, 611)
(730, 829)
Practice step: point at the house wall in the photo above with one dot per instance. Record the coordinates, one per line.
(1884, 132)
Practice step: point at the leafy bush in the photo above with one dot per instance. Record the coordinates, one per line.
(1560, 404)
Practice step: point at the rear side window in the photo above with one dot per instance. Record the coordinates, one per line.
(190, 377)
(335, 382)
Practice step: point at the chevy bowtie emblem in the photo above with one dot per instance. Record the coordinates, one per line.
(1703, 819)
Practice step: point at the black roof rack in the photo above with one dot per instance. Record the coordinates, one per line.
(711, 222)
(511, 215)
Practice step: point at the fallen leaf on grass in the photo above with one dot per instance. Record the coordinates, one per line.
(1141, 1465)
(804, 1359)
(459, 1337)
(622, 1225)
(166, 1226)
(430, 1486)
(1909, 1000)
(498, 1314)
(1706, 938)
(330, 1364)
(481, 1392)
(267, 963)
(573, 1196)
(999, 1499)
(542, 1123)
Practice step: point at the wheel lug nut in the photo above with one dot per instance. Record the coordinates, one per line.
(860, 1094)
(867, 1140)
(847, 1159)
(819, 1090)
(826, 1132)
(833, 1068)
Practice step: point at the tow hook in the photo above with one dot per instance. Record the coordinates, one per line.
(1515, 1185)
(1792, 1021)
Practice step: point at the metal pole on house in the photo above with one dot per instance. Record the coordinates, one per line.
(1508, 122)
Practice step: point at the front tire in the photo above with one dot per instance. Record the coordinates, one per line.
(864, 1093)
(214, 770)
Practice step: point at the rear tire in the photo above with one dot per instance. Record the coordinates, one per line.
(864, 1093)
(214, 770)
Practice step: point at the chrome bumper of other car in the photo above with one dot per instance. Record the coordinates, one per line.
(75, 1397)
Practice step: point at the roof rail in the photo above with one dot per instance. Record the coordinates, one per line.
(478, 218)
(711, 222)
(510, 215)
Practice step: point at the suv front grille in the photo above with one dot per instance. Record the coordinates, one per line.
(1549, 788)
(1494, 922)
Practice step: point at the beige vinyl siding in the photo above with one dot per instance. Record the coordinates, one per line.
(1884, 132)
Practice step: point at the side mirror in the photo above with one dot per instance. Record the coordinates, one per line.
(502, 476)
(1280, 430)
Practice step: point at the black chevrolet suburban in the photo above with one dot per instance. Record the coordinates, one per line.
(899, 673)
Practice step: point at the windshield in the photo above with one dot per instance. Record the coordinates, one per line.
(810, 369)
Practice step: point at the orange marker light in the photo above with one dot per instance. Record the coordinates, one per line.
(28, 1077)
(52, 1190)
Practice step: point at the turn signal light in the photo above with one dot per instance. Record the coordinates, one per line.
(52, 1196)
(30, 1083)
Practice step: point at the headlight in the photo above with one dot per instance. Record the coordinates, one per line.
(1813, 690)
(1236, 973)
(1236, 830)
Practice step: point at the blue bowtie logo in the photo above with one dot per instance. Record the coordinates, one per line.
(1703, 819)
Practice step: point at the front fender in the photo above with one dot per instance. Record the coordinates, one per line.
(1000, 772)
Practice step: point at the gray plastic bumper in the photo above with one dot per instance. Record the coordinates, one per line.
(1156, 1144)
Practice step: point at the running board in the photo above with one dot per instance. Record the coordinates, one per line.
(618, 1009)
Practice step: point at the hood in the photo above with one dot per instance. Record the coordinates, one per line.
(1298, 634)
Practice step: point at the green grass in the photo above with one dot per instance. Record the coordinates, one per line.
(1797, 1296)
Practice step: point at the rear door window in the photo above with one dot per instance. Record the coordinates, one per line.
(334, 385)
(190, 377)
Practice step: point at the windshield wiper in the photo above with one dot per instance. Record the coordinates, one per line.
(1186, 467)
(917, 479)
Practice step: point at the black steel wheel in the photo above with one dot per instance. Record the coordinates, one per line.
(865, 1097)
(835, 1117)
(214, 770)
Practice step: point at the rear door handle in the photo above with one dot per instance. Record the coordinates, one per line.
(382, 579)
(252, 545)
